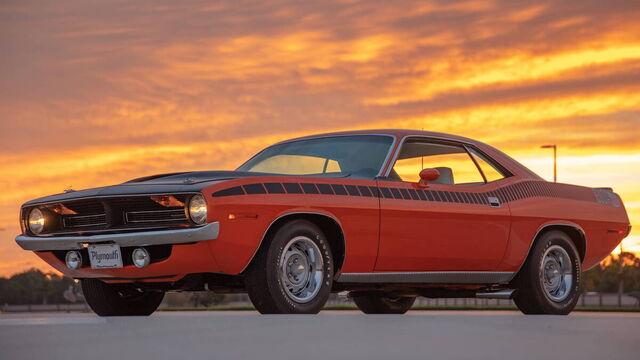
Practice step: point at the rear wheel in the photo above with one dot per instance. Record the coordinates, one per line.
(383, 303)
(119, 299)
(549, 280)
(294, 274)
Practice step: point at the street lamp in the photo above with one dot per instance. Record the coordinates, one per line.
(555, 159)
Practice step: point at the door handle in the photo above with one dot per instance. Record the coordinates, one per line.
(494, 202)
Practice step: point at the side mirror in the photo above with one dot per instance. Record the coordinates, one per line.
(427, 175)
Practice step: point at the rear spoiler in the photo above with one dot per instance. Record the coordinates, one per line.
(604, 188)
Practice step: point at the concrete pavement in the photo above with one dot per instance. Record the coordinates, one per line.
(330, 335)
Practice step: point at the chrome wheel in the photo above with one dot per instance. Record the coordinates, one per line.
(301, 269)
(556, 273)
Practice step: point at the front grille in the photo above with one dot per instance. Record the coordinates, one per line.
(155, 216)
(85, 207)
(85, 221)
(118, 213)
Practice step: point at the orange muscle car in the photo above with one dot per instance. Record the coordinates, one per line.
(386, 215)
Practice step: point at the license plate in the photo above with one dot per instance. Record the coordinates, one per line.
(105, 256)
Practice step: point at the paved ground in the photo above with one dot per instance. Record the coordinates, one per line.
(331, 335)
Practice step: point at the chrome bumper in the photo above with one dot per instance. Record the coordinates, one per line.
(207, 232)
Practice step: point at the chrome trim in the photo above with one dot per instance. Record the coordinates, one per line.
(108, 278)
(264, 235)
(501, 294)
(393, 143)
(126, 215)
(144, 238)
(493, 201)
(386, 159)
(429, 277)
(98, 231)
(106, 196)
(575, 226)
(65, 226)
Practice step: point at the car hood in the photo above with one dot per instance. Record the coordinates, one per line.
(155, 184)
(193, 177)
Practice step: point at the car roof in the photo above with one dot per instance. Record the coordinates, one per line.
(400, 133)
(505, 160)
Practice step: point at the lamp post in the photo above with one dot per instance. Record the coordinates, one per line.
(555, 159)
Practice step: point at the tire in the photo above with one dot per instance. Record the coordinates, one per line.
(119, 300)
(383, 304)
(549, 292)
(274, 267)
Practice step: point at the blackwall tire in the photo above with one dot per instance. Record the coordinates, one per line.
(119, 300)
(287, 277)
(549, 281)
(383, 304)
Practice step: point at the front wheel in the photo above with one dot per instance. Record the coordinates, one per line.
(549, 280)
(120, 299)
(294, 274)
(383, 303)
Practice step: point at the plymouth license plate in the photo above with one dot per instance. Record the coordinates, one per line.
(105, 256)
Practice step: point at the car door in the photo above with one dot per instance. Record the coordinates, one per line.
(453, 224)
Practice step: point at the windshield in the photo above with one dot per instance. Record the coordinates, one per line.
(357, 156)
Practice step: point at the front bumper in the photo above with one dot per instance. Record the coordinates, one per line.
(179, 236)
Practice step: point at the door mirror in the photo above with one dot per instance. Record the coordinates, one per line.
(427, 175)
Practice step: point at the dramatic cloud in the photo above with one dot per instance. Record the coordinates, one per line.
(97, 92)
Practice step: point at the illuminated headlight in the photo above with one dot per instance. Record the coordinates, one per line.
(198, 209)
(36, 221)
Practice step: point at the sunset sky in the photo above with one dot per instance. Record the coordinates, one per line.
(94, 93)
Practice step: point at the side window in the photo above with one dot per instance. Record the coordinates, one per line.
(453, 163)
(489, 170)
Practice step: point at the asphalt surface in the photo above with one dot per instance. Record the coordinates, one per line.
(330, 335)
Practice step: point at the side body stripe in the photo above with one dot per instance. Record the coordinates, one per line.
(509, 193)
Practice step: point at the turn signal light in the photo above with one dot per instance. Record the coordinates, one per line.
(242, 216)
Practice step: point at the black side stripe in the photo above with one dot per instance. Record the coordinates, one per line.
(325, 189)
(293, 188)
(274, 188)
(236, 190)
(254, 189)
(405, 194)
(309, 188)
(364, 191)
(339, 189)
(509, 193)
(352, 190)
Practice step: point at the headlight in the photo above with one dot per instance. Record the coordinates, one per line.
(36, 221)
(198, 209)
(140, 257)
(73, 259)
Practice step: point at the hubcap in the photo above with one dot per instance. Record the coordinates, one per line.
(301, 269)
(556, 273)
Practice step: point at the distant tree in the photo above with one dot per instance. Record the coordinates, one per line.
(34, 287)
(612, 273)
(206, 298)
